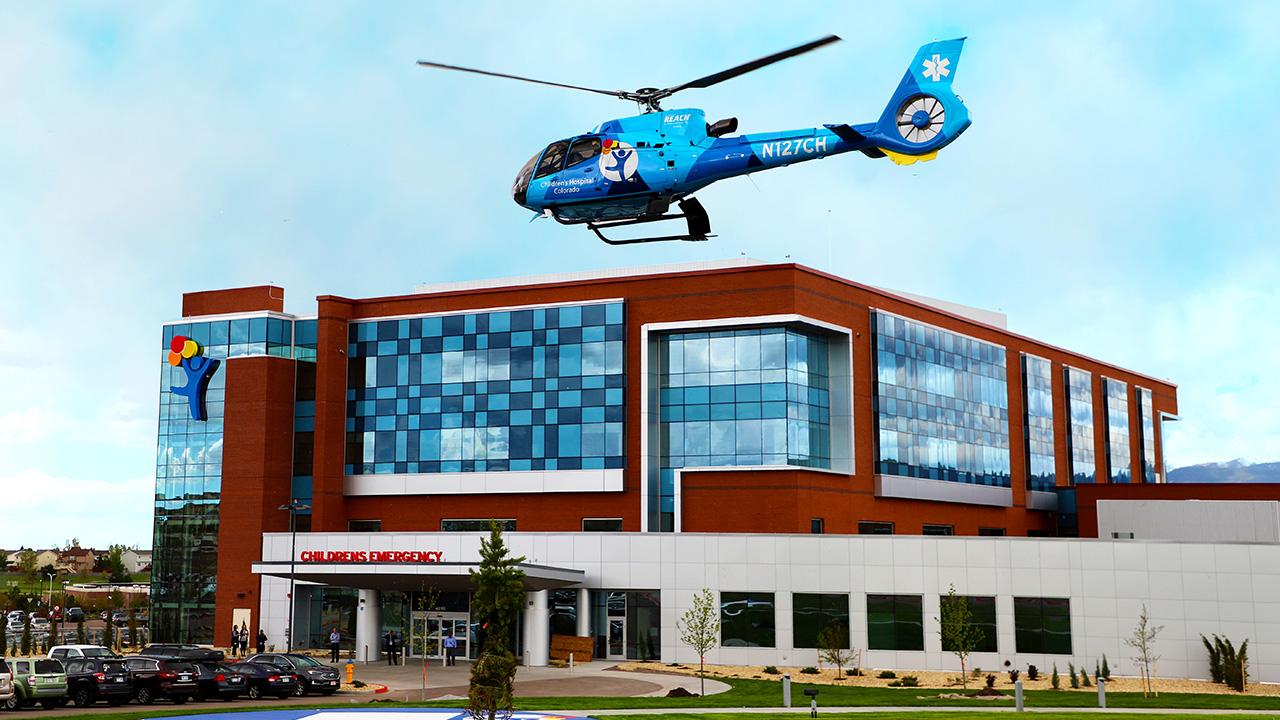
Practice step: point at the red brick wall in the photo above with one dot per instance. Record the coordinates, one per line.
(257, 460)
(236, 300)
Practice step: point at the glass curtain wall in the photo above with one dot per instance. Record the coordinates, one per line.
(1079, 385)
(1147, 428)
(942, 404)
(1037, 389)
(1119, 467)
(536, 389)
(743, 396)
(189, 474)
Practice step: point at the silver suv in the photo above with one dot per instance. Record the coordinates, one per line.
(6, 683)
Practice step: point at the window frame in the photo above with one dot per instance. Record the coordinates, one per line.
(758, 628)
(904, 617)
(1029, 627)
(800, 635)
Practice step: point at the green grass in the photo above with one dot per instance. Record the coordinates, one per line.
(930, 715)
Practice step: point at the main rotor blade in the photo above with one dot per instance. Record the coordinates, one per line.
(745, 68)
(424, 63)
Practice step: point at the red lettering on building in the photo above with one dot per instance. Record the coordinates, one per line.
(391, 556)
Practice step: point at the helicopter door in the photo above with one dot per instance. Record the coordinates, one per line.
(581, 178)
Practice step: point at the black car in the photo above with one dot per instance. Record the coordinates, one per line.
(313, 676)
(216, 680)
(184, 652)
(264, 679)
(161, 678)
(90, 679)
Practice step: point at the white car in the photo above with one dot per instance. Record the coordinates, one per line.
(62, 652)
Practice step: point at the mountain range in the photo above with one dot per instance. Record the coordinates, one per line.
(1239, 470)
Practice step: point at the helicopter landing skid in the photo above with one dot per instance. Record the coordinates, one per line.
(692, 211)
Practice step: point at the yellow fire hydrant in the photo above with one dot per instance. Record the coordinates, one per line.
(351, 671)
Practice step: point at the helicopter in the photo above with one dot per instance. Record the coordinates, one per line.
(631, 170)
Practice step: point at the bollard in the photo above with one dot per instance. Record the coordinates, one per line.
(786, 690)
(1017, 695)
(1102, 693)
(570, 662)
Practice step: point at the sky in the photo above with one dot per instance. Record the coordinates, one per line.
(1116, 194)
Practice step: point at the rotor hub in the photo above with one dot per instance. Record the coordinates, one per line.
(920, 119)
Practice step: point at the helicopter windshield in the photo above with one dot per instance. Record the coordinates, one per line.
(521, 186)
(583, 149)
(552, 159)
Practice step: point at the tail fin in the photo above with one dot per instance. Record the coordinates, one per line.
(924, 114)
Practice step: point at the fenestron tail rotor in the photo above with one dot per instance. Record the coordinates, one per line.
(920, 118)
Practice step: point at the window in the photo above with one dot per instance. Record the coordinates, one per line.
(1037, 396)
(812, 613)
(474, 525)
(938, 530)
(601, 524)
(1042, 625)
(364, 526)
(816, 526)
(1080, 429)
(1117, 438)
(552, 159)
(875, 528)
(1147, 435)
(991, 532)
(982, 614)
(942, 404)
(895, 622)
(746, 619)
(583, 149)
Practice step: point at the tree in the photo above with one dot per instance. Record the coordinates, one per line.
(108, 634)
(116, 571)
(833, 646)
(133, 627)
(81, 639)
(1143, 640)
(498, 598)
(959, 635)
(27, 562)
(700, 629)
(4, 641)
(26, 636)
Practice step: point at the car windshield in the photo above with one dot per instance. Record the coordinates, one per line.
(303, 660)
(48, 667)
(98, 652)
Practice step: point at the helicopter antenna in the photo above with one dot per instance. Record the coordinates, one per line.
(649, 99)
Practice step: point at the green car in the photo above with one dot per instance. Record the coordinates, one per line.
(37, 680)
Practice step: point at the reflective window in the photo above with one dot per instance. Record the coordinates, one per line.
(1037, 394)
(895, 622)
(867, 527)
(535, 389)
(746, 619)
(583, 149)
(474, 525)
(941, 404)
(1147, 428)
(812, 613)
(982, 615)
(745, 396)
(601, 524)
(1119, 467)
(1079, 385)
(1042, 625)
(552, 159)
(938, 530)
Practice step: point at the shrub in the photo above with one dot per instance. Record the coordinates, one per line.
(1106, 671)
(1057, 683)
(1033, 673)
(909, 681)
(771, 669)
(1084, 678)
(811, 670)
(853, 672)
(887, 674)
(991, 681)
(1013, 676)
(1075, 681)
(977, 672)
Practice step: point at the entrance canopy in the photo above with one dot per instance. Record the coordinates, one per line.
(443, 576)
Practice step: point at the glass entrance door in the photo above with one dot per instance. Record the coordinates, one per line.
(617, 638)
(427, 630)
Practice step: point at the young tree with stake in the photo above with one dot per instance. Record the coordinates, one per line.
(700, 629)
(959, 635)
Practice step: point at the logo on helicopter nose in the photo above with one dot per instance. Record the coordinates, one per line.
(618, 161)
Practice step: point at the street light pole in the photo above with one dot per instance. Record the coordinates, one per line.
(294, 507)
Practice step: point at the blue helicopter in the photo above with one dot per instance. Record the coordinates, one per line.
(631, 170)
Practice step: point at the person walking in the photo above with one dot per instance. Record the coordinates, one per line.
(450, 648)
(391, 647)
(262, 641)
(334, 638)
(235, 640)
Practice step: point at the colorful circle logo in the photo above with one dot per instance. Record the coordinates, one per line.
(182, 348)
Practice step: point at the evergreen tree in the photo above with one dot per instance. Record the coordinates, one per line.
(81, 639)
(1106, 671)
(108, 634)
(498, 599)
(4, 641)
(1054, 679)
(133, 627)
(26, 636)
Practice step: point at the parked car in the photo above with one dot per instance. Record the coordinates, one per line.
(90, 679)
(263, 679)
(18, 615)
(120, 618)
(313, 676)
(186, 652)
(37, 680)
(63, 652)
(216, 680)
(41, 625)
(6, 683)
(161, 678)
(75, 614)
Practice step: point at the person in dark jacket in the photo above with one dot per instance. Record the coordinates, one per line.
(262, 641)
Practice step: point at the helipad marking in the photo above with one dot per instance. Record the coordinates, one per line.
(380, 714)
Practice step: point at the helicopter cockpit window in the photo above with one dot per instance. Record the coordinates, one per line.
(583, 149)
(552, 159)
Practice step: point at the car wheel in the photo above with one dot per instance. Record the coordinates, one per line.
(145, 696)
(13, 703)
(300, 690)
(82, 698)
(179, 699)
(255, 692)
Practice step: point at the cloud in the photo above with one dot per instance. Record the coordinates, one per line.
(42, 510)
(32, 425)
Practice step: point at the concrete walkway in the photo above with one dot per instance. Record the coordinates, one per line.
(593, 679)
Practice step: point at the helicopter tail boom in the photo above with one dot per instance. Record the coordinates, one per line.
(924, 114)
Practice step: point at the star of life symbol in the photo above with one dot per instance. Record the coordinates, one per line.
(936, 69)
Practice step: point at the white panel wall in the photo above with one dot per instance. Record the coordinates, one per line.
(1194, 520)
